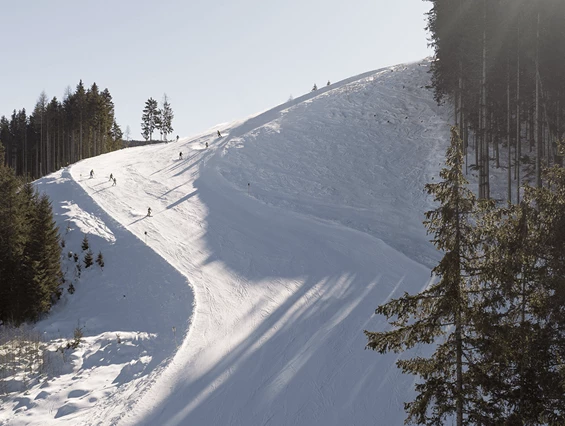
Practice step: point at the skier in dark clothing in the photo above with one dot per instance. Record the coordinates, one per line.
(180, 155)
(111, 176)
(91, 173)
(219, 134)
(149, 211)
(114, 184)
(206, 144)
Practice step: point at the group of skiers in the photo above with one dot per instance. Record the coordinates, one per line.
(112, 178)
(114, 182)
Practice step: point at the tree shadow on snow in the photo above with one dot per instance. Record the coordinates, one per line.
(303, 361)
(121, 297)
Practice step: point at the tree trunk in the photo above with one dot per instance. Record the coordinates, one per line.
(518, 129)
(483, 167)
(508, 118)
(536, 118)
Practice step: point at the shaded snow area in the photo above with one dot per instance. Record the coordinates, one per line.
(243, 298)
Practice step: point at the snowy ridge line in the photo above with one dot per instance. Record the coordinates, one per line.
(393, 98)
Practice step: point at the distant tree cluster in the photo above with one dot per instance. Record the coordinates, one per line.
(154, 118)
(502, 63)
(60, 133)
(495, 314)
(30, 255)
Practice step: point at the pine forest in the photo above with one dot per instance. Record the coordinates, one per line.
(57, 134)
(493, 314)
(501, 63)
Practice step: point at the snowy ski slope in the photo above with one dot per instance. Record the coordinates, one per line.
(242, 300)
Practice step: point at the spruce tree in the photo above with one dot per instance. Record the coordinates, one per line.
(88, 259)
(13, 229)
(439, 315)
(532, 252)
(517, 321)
(85, 244)
(42, 259)
(167, 115)
(116, 140)
(100, 259)
(30, 253)
(149, 119)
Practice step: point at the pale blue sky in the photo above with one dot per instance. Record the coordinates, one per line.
(217, 60)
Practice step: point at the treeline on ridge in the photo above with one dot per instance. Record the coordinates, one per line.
(501, 62)
(58, 133)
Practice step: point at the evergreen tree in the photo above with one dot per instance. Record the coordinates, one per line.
(13, 230)
(116, 136)
(88, 259)
(440, 313)
(521, 317)
(158, 123)
(166, 119)
(30, 272)
(149, 119)
(42, 268)
(85, 244)
(100, 259)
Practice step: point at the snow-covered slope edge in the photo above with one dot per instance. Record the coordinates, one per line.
(127, 312)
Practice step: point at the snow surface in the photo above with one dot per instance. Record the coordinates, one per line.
(242, 300)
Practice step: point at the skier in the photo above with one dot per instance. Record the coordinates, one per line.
(206, 144)
(91, 173)
(149, 211)
(114, 184)
(219, 134)
(111, 176)
(180, 155)
(177, 138)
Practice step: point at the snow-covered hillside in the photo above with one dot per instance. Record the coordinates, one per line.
(242, 300)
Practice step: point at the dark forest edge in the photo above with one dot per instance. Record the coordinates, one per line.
(57, 134)
(493, 316)
(30, 251)
(501, 64)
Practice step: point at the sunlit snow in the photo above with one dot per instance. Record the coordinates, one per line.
(242, 300)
